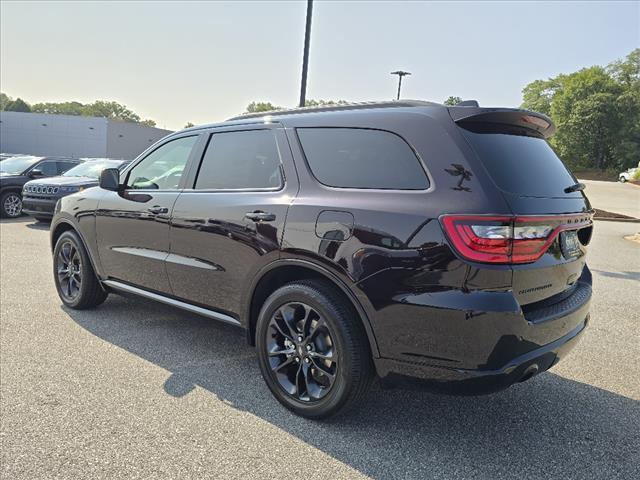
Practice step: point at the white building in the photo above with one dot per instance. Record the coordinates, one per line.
(74, 136)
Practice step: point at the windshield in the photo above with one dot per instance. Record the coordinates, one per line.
(526, 166)
(17, 165)
(91, 169)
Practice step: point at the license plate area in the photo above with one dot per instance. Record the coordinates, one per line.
(570, 244)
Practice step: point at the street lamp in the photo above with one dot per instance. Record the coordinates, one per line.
(305, 55)
(400, 74)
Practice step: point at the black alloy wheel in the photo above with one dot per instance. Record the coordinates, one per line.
(313, 350)
(77, 284)
(302, 353)
(69, 269)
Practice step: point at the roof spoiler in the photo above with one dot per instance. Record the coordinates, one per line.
(513, 117)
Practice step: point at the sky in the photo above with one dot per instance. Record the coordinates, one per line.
(202, 62)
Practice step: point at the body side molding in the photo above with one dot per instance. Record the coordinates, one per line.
(171, 301)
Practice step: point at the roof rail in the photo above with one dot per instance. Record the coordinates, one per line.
(331, 108)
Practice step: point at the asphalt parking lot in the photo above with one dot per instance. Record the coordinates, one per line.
(614, 197)
(139, 390)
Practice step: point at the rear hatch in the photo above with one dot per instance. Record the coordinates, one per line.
(551, 224)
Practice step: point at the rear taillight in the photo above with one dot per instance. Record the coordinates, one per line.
(507, 239)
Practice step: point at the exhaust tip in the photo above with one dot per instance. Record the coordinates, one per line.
(529, 372)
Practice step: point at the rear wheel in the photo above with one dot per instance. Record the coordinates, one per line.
(11, 204)
(622, 179)
(313, 352)
(76, 282)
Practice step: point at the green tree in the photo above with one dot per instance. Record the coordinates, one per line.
(324, 103)
(62, 108)
(18, 105)
(596, 111)
(112, 110)
(189, 125)
(537, 95)
(148, 122)
(4, 100)
(452, 101)
(255, 107)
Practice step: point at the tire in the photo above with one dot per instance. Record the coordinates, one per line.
(622, 179)
(334, 367)
(11, 204)
(76, 282)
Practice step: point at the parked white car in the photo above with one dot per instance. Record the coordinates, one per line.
(627, 174)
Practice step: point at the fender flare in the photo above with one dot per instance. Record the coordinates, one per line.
(80, 236)
(325, 272)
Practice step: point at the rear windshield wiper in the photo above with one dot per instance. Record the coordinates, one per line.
(578, 187)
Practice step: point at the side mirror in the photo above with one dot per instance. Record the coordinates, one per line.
(36, 173)
(110, 179)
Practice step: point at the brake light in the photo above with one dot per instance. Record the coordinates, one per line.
(507, 239)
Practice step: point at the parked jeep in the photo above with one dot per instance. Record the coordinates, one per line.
(16, 171)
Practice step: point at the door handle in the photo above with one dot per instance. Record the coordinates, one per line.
(260, 216)
(158, 210)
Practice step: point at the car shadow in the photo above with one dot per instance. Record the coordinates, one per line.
(39, 225)
(21, 219)
(627, 275)
(547, 427)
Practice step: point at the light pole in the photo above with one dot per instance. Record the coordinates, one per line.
(400, 74)
(305, 57)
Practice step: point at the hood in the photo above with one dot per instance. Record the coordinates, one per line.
(65, 181)
(12, 179)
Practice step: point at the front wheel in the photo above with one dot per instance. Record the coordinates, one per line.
(76, 282)
(11, 204)
(622, 179)
(312, 349)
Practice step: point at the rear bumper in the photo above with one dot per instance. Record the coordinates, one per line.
(40, 207)
(478, 382)
(514, 347)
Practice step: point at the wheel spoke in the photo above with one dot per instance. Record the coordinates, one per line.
(287, 313)
(323, 369)
(309, 315)
(323, 356)
(65, 252)
(286, 363)
(316, 328)
(275, 353)
(297, 381)
(69, 287)
(307, 377)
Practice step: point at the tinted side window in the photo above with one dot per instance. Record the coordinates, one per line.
(234, 160)
(360, 158)
(48, 168)
(162, 169)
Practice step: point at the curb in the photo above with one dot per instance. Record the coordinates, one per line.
(607, 219)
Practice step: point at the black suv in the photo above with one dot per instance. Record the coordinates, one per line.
(39, 197)
(402, 239)
(16, 171)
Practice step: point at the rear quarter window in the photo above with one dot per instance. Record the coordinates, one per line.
(361, 158)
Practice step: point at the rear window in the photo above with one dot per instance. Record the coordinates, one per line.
(361, 158)
(523, 165)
